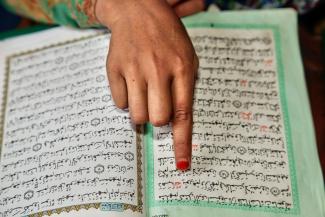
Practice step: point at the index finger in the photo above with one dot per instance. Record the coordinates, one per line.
(182, 122)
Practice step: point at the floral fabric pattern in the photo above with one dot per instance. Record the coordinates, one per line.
(77, 13)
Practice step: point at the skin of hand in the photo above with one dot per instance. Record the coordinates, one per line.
(186, 7)
(152, 67)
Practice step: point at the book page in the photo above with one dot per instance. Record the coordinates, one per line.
(65, 145)
(240, 154)
(254, 151)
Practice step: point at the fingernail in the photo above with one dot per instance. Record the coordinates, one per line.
(183, 164)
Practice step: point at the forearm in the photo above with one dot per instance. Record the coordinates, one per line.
(78, 13)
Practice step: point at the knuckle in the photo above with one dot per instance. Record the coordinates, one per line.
(139, 118)
(184, 66)
(156, 66)
(132, 62)
(156, 71)
(179, 65)
(159, 121)
(112, 67)
(131, 68)
(182, 114)
(121, 104)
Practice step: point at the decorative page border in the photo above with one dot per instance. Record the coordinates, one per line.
(139, 141)
(295, 210)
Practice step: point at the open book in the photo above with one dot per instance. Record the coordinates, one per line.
(68, 151)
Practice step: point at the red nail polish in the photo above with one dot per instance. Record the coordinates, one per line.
(182, 165)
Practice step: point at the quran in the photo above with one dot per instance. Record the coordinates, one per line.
(66, 150)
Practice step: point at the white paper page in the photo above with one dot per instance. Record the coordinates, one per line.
(240, 155)
(65, 144)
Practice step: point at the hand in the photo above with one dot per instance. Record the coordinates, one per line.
(186, 7)
(152, 67)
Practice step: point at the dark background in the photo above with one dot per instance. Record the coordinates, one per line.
(312, 45)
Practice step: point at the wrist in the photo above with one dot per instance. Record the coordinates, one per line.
(108, 12)
(111, 12)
